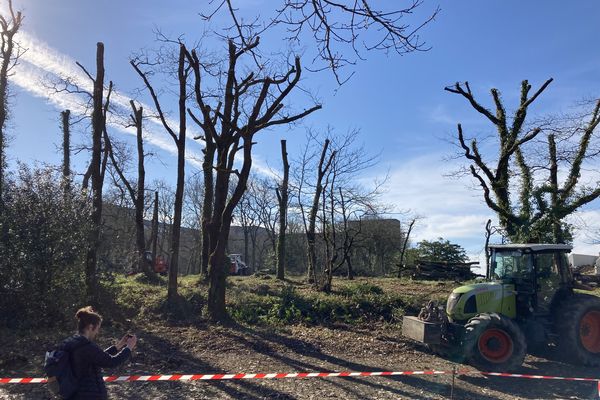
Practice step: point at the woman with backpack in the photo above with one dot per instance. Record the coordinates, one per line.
(87, 359)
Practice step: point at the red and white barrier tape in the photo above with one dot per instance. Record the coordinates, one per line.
(181, 377)
(130, 378)
(146, 378)
(559, 378)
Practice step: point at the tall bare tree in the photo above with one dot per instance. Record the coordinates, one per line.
(96, 169)
(10, 52)
(137, 194)
(282, 199)
(179, 139)
(325, 161)
(66, 128)
(250, 104)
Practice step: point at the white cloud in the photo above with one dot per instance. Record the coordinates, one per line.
(453, 210)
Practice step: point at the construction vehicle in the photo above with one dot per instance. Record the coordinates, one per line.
(527, 302)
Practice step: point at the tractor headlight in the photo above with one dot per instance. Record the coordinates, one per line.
(452, 301)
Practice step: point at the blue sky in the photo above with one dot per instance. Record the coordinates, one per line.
(397, 102)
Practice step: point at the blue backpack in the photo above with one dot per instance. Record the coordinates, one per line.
(57, 365)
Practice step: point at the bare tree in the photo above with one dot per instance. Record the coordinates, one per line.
(282, 199)
(10, 52)
(192, 217)
(247, 217)
(342, 29)
(250, 104)
(179, 139)
(137, 195)
(345, 200)
(262, 193)
(325, 161)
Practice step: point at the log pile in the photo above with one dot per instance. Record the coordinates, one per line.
(439, 271)
(586, 274)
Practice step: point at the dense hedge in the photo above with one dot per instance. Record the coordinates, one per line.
(43, 233)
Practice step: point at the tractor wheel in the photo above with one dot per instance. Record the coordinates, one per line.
(578, 326)
(493, 342)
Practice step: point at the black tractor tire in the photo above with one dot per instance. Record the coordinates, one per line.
(577, 323)
(494, 343)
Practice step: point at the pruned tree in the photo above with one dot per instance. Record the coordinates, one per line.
(282, 200)
(66, 129)
(542, 205)
(250, 103)
(96, 168)
(178, 136)
(10, 52)
(555, 202)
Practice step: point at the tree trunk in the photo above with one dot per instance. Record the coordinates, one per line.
(207, 202)
(350, 269)
(154, 235)
(219, 235)
(246, 243)
(66, 128)
(488, 234)
(96, 176)
(403, 252)
(175, 234)
(282, 196)
(140, 197)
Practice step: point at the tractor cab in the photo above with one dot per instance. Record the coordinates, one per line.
(537, 274)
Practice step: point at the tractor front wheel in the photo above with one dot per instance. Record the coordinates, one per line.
(578, 325)
(493, 342)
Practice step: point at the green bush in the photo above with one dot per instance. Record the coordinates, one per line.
(361, 289)
(43, 234)
(359, 303)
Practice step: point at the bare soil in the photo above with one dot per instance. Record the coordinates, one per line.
(197, 349)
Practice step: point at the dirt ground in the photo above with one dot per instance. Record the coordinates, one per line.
(217, 349)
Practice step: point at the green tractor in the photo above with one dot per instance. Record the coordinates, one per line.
(527, 302)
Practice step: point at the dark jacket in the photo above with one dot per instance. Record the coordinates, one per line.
(87, 359)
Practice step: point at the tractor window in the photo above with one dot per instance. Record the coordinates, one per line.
(511, 264)
(547, 265)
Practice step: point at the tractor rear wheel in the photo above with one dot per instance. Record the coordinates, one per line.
(578, 326)
(493, 342)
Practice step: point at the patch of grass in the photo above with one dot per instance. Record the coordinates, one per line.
(353, 304)
(253, 300)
